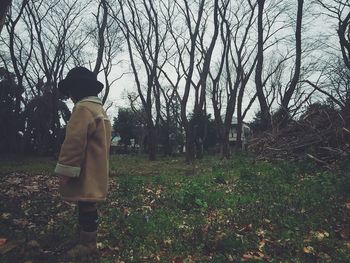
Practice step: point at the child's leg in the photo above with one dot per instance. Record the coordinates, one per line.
(88, 231)
(88, 216)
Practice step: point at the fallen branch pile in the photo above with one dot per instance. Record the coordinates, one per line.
(322, 134)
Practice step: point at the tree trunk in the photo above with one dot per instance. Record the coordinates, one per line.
(152, 143)
(190, 153)
(225, 146)
(344, 39)
(239, 117)
(239, 145)
(56, 124)
(199, 147)
(167, 145)
(265, 114)
(290, 91)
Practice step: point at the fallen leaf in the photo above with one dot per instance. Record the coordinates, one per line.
(10, 246)
(309, 250)
(33, 244)
(177, 260)
(147, 207)
(260, 232)
(168, 241)
(126, 212)
(5, 216)
(149, 190)
(325, 257)
(21, 222)
(345, 233)
(246, 228)
(321, 235)
(2, 241)
(261, 244)
(100, 245)
(205, 229)
(254, 255)
(189, 259)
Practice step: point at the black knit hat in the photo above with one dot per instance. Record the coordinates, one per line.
(82, 79)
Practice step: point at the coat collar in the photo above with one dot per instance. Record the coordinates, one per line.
(91, 99)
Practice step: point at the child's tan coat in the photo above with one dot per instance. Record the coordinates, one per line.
(84, 153)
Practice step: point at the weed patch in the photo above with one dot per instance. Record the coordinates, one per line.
(212, 211)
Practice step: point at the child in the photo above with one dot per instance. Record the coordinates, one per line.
(83, 161)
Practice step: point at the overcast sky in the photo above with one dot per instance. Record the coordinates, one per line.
(314, 27)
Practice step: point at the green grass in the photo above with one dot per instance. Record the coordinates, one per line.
(29, 165)
(212, 211)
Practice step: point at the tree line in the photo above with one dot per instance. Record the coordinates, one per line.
(188, 59)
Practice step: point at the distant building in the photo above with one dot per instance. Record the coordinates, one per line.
(115, 140)
(233, 132)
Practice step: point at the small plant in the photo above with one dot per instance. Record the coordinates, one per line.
(247, 174)
(220, 179)
(193, 195)
(130, 185)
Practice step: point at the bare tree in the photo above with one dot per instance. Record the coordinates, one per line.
(333, 83)
(54, 25)
(169, 119)
(18, 60)
(267, 23)
(243, 59)
(144, 34)
(235, 47)
(295, 79)
(4, 7)
(240, 61)
(42, 37)
(265, 114)
(333, 78)
(108, 42)
(194, 58)
(101, 26)
(340, 11)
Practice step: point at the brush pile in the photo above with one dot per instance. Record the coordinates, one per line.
(322, 133)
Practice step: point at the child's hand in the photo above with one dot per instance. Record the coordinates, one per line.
(64, 180)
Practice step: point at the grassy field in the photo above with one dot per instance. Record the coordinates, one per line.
(165, 211)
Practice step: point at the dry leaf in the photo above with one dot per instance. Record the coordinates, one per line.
(205, 229)
(246, 228)
(260, 232)
(10, 246)
(2, 241)
(261, 244)
(189, 259)
(345, 233)
(177, 260)
(168, 241)
(254, 255)
(320, 235)
(309, 250)
(126, 212)
(5, 216)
